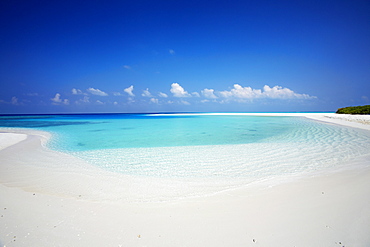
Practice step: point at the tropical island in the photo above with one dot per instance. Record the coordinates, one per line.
(362, 110)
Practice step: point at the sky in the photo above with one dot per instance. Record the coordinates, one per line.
(183, 56)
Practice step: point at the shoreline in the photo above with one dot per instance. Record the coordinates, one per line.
(318, 210)
(355, 121)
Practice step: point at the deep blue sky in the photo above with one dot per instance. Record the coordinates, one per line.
(151, 56)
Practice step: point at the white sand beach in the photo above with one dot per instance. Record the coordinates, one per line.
(44, 204)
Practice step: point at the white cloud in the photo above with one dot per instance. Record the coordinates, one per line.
(126, 67)
(172, 52)
(115, 103)
(209, 93)
(184, 102)
(154, 100)
(163, 95)
(276, 92)
(117, 94)
(99, 102)
(85, 99)
(129, 90)
(195, 94)
(178, 91)
(241, 92)
(14, 100)
(226, 94)
(96, 92)
(76, 91)
(146, 93)
(58, 100)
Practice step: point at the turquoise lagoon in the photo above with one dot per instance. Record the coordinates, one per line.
(199, 145)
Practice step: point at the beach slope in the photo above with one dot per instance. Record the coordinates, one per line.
(43, 205)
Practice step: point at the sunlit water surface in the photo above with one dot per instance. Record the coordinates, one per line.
(200, 146)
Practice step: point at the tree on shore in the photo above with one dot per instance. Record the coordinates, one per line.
(363, 110)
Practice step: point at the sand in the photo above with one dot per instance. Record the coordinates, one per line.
(9, 139)
(42, 204)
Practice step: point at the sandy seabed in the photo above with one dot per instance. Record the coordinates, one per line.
(53, 199)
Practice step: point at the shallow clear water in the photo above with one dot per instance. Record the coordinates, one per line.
(92, 132)
(112, 131)
(200, 146)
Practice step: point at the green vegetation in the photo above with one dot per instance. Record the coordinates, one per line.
(364, 110)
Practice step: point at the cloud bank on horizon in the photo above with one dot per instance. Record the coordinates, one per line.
(178, 95)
